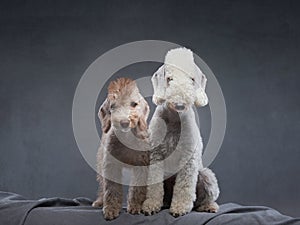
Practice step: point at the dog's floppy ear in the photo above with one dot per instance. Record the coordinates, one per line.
(104, 116)
(159, 86)
(200, 80)
(142, 127)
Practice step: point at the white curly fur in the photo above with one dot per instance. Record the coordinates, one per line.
(179, 82)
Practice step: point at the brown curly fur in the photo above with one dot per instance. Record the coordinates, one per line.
(121, 93)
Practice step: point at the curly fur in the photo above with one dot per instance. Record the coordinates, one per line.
(123, 103)
(179, 82)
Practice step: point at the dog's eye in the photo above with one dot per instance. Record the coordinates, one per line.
(112, 106)
(169, 79)
(133, 104)
(193, 79)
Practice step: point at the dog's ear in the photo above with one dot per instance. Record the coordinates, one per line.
(104, 116)
(159, 86)
(200, 80)
(142, 127)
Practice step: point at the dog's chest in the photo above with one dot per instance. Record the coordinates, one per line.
(172, 136)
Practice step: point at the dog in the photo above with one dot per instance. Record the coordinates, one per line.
(176, 144)
(123, 117)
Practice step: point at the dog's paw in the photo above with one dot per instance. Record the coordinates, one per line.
(110, 213)
(180, 208)
(151, 206)
(98, 203)
(134, 208)
(211, 207)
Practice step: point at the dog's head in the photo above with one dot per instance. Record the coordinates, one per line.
(179, 83)
(124, 108)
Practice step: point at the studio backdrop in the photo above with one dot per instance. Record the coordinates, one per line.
(252, 48)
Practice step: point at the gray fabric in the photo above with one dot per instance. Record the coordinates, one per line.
(15, 210)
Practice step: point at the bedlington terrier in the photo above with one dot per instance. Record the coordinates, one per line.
(176, 144)
(123, 115)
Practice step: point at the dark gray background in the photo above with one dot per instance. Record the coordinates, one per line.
(252, 47)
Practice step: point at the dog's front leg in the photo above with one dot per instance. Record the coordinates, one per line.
(113, 193)
(112, 202)
(155, 193)
(137, 190)
(155, 188)
(184, 190)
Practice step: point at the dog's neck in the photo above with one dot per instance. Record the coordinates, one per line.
(132, 139)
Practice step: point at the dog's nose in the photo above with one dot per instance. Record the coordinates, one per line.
(179, 106)
(124, 123)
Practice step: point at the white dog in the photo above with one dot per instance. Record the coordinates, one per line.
(176, 154)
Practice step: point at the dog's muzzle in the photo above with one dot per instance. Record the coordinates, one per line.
(124, 123)
(179, 106)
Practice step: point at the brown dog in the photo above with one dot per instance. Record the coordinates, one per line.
(123, 116)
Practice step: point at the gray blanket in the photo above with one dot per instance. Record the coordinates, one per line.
(15, 210)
